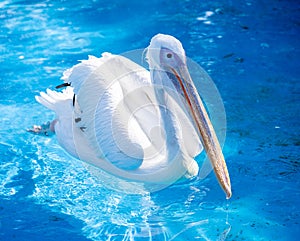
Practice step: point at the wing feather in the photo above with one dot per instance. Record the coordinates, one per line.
(104, 107)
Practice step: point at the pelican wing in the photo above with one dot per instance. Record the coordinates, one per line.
(116, 110)
(79, 72)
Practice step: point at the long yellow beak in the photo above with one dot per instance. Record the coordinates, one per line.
(204, 127)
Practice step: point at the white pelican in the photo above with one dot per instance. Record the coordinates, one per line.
(139, 125)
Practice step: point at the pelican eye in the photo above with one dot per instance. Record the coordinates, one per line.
(169, 55)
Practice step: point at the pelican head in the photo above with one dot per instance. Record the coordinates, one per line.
(165, 49)
(166, 54)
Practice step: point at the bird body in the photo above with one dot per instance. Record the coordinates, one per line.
(136, 124)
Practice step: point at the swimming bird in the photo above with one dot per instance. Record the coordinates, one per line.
(137, 124)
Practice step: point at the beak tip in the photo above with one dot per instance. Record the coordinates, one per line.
(228, 192)
(228, 195)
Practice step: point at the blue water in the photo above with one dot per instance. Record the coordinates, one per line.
(250, 49)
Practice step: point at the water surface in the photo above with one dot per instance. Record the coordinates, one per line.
(250, 49)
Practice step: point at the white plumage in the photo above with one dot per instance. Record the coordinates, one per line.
(134, 123)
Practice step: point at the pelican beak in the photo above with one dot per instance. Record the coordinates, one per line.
(204, 127)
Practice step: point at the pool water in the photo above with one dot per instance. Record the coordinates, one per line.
(251, 51)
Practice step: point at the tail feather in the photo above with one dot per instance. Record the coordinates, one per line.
(44, 99)
(59, 102)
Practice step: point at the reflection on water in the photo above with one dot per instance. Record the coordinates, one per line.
(178, 212)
